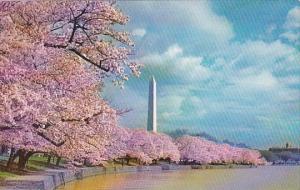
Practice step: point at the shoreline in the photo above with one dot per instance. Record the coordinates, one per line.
(50, 179)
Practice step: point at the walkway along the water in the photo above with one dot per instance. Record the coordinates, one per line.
(50, 179)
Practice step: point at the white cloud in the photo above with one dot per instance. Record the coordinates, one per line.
(207, 20)
(258, 76)
(176, 107)
(262, 81)
(252, 57)
(184, 15)
(293, 18)
(292, 26)
(290, 80)
(260, 48)
(173, 51)
(191, 69)
(172, 63)
(193, 106)
(291, 36)
(139, 32)
(167, 111)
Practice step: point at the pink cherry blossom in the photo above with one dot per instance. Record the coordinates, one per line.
(198, 150)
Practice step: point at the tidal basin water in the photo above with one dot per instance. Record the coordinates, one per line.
(261, 178)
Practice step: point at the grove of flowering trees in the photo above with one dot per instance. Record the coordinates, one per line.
(201, 151)
(53, 58)
(148, 147)
(54, 55)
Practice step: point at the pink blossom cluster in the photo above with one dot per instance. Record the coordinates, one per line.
(149, 146)
(201, 151)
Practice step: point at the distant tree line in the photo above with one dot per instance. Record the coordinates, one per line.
(181, 132)
(280, 156)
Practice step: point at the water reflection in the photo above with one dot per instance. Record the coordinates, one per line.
(263, 178)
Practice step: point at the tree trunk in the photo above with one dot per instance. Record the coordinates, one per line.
(127, 161)
(3, 149)
(48, 160)
(85, 163)
(23, 158)
(58, 161)
(122, 161)
(12, 157)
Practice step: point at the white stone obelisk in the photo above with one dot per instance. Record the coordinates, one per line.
(151, 125)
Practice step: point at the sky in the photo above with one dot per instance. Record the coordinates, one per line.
(227, 68)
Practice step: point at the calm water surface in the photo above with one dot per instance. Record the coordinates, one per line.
(262, 178)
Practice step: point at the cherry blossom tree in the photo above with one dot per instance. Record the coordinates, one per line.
(48, 92)
(140, 146)
(83, 29)
(201, 151)
(165, 147)
(148, 147)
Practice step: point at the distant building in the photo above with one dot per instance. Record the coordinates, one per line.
(151, 125)
(288, 148)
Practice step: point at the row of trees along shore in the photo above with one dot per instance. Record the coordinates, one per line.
(54, 57)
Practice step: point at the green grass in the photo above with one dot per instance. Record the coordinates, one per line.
(35, 163)
(40, 163)
(38, 158)
(4, 174)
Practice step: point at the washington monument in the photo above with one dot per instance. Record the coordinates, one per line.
(151, 125)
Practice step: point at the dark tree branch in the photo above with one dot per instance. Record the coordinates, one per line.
(76, 25)
(59, 27)
(55, 46)
(73, 31)
(80, 55)
(86, 120)
(121, 112)
(70, 120)
(4, 128)
(57, 144)
(39, 125)
(75, 22)
(90, 61)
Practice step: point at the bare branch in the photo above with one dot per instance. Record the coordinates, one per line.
(86, 120)
(121, 112)
(90, 61)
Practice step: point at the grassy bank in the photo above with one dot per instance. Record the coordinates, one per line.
(4, 174)
(40, 163)
(35, 163)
